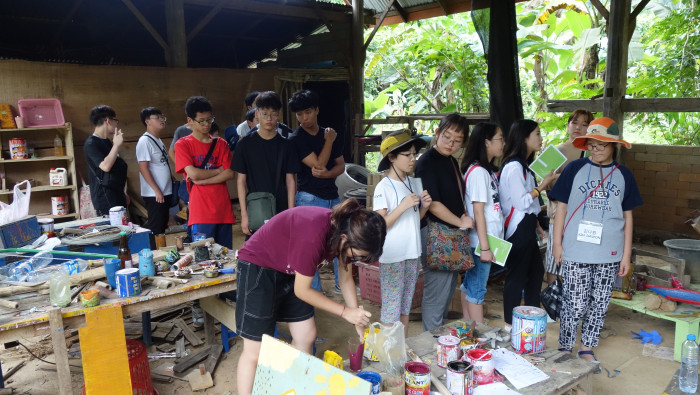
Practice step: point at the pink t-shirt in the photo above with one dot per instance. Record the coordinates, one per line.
(292, 241)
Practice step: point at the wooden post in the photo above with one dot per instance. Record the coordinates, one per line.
(58, 340)
(616, 68)
(177, 37)
(357, 71)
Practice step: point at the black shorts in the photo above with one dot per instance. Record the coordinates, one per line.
(265, 297)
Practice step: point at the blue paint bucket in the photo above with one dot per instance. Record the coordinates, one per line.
(374, 378)
(128, 282)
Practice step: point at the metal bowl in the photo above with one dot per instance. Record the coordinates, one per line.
(211, 272)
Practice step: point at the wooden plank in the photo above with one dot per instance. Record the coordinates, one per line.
(220, 310)
(58, 340)
(276, 10)
(147, 25)
(191, 360)
(205, 20)
(103, 349)
(177, 38)
(191, 337)
(213, 358)
(661, 104)
(174, 333)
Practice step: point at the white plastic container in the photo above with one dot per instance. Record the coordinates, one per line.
(58, 177)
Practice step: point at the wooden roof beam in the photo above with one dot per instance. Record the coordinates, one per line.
(64, 23)
(401, 11)
(443, 5)
(377, 25)
(204, 21)
(660, 104)
(272, 9)
(147, 25)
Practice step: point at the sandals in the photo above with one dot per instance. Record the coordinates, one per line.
(590, 352)
(566, 350)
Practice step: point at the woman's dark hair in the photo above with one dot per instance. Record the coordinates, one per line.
(476, 146)
(516, 148)
(576, 113)
(365, 230)
(451, 120)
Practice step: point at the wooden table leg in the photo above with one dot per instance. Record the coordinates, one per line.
(58, 340)
(209, 330)
(586, 385)
(146, 328)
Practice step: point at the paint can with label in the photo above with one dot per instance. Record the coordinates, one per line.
(460, 378)
(417, 378)
(59, 205)
(18, 148)
(447, 350)
(529, 333)
(374, 378)
(117, 215)
(46, 226)
(482, 363)
(128, 282)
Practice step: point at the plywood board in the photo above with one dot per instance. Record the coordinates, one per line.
(103, 348)
(282, 369)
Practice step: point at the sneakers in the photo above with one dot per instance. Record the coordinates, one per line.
(197, 316)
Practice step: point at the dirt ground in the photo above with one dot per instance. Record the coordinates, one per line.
(640, 374)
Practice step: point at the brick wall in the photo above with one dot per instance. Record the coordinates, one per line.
(669, 181)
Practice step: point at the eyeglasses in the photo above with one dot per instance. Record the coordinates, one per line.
(205, 121)
(271, 115)
(158, 118)
(451, 142)
(409, 155)
(361, 258)
(114, 119)
(596, 147)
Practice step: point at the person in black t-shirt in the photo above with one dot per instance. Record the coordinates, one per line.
(106, 170)
(265, 161)
(321, 155)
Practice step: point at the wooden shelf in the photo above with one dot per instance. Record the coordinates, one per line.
(30, 129)
(42, 189)
(43, 159)
(71, 215)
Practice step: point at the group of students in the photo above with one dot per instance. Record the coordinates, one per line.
(279, 263)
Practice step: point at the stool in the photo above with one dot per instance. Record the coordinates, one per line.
(226, 335)
(139, 369)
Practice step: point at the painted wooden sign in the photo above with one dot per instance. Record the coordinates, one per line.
(282, 369)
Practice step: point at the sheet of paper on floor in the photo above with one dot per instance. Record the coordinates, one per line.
(494, 389)
(517, 369)
(661, 352)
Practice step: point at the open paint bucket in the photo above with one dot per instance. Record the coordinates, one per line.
(448, 350)
(529, 332)
(128, 282)
(374, 378)
(459, 378)
(482, 362)
(417, 378)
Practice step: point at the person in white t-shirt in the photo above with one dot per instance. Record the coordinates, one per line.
(154, 171)
(402, 202)
(483, 204)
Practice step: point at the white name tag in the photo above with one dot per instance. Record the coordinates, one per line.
(589, 232)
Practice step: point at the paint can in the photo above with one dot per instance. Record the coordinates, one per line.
(374, 378)
(460, 377)
(18, 148)
(199, 236)
(529, 331)
(482, 363)
(59, 205)
(128, 282)
(58, 177)
(448, 350)
(417, 378)
(46, 226)
(117, 215)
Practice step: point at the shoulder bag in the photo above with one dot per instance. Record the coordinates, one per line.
(261, 206)
(448, 247)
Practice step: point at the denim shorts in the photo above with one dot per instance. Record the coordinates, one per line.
(474, 284)
(266, 296)
(308, 199)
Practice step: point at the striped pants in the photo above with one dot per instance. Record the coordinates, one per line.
(587, 289)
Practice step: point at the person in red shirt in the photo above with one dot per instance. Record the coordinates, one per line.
(279, 261)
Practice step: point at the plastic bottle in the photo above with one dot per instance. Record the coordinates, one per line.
(21, 270)
(58, 146)
(124, 253)
(59, 289)
(146, 267)
(688, 377)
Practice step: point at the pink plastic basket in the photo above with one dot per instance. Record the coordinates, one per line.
(41, 112)
(371, 288)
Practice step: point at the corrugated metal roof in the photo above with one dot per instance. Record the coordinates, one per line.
(380, 5)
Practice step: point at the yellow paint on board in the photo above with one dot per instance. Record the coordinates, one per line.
(103, 348)
(354, 382)
(320, 379)
(322, 392)
(290, 392)
(336, 384)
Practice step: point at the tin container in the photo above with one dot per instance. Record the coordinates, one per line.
(460, 378)
(482, 363)
(417, 378)
(128, 282)
(375, 379)
(18, 148)
(529, 333)
(199, 236)
(46, 226)
(59, 205)
(117, 215)
(448, 350)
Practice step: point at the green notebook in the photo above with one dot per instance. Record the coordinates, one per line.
(550, 159)
(499, 247)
